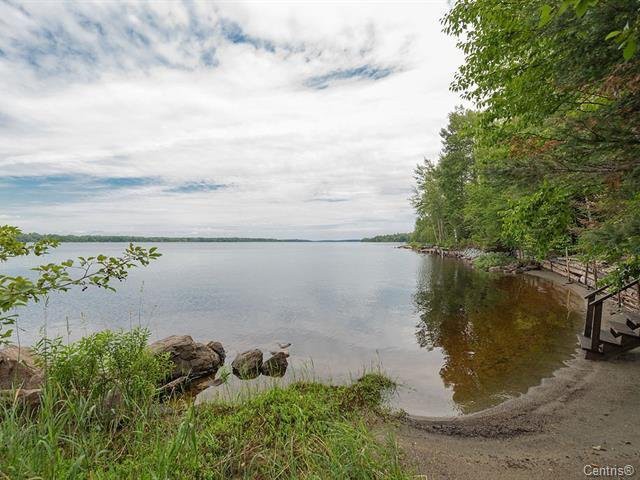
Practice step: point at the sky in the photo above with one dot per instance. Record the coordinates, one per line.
(254, 119)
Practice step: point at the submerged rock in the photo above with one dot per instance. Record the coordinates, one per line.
(190, 358)
(276, 366)
(247, 364)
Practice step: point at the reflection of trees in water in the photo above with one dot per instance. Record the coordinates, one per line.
(498, 334)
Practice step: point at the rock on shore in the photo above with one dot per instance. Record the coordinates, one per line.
(18, 369)
(247, 364)
(190, 358)
(276, 366)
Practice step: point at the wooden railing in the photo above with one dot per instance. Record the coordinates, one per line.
(593, 322)
(590, 274)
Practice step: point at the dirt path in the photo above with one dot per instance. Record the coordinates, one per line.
(587, 415)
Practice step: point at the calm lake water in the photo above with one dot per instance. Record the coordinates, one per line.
(457, 340)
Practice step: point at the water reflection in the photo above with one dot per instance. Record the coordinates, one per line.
(498, 334)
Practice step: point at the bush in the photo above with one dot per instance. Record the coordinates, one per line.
(493, 259)
(104, 364)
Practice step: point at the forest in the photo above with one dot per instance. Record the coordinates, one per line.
(547, 161)
(392, 237)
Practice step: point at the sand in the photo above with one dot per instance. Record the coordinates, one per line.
(586, 416)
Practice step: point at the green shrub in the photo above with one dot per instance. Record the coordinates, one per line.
(104, 364)
(493, 259)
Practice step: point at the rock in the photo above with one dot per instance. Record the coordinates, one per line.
(495, 269)
(276, 366)
(219, 349)
(31, 398)
(18, 369)
(28, 397)
(247, 364)
(189, 358)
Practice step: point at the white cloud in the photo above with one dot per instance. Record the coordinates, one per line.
(301, 162)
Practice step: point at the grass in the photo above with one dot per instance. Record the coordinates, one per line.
(305, 430)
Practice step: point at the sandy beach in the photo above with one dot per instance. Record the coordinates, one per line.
(583, 418)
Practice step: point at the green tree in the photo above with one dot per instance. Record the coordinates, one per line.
(557, 87)
(440, 192)
(541, 222)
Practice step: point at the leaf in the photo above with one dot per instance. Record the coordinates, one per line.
(545, 15)
(613, 34)
(564, 6)
(630, 48)
(581, 8)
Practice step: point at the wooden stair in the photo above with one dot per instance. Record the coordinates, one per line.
(620, 336)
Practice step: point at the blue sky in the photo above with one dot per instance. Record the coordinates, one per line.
(199, 118)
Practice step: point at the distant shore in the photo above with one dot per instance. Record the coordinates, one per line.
(34, 237)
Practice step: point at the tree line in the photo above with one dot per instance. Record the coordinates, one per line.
(548, 159)
(391, 237)
(36, 237)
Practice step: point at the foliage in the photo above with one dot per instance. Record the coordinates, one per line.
(98, 271)
(539, 223)
(552, 156)
(305, 430)
(392, 237)
(440, 195)
(493, 259)
(105, 363)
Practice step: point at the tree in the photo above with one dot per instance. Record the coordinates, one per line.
(440, 191)
(97, 271)
(557, 88)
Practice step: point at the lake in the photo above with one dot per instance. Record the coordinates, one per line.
(456, 339)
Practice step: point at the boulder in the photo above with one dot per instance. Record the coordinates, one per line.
(18, 369)
(276, 366)
(219, 349)
(189, 358)
(247, 364)
(29, 398)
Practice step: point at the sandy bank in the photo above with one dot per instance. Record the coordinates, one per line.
(550, 432)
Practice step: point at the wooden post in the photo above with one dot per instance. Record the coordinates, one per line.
(588, 324)
(619, 299)
(595, 331)
(595, 274)
(566, 256)
(586, 274)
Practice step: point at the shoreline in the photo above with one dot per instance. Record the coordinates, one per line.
(583, 414)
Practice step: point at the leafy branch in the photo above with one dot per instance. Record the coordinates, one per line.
(96, 271)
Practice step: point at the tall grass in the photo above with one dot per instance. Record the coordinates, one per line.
(304, 430)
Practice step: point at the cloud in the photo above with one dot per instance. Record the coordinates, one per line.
(195, 118)
(193, 187)
(328, 199)
(364, 72)
(16, 191)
